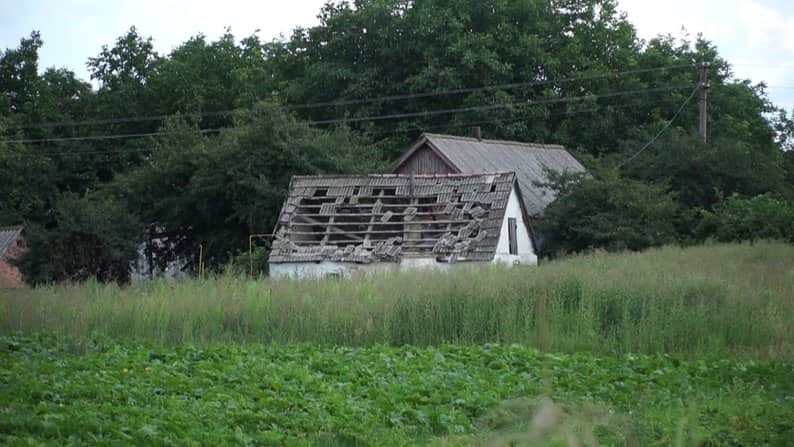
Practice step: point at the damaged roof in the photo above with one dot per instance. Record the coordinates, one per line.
(7, 237)
(528, 161)
(383, 218)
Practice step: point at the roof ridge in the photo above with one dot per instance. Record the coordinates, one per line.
(508, 142)
(465, 174)
(11, 227)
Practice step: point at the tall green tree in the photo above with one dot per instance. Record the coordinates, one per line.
(19, 74)
(237, 117)
(213, 191)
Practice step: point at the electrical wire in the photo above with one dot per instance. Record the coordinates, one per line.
(661, 131)
(493, 106)
(467, 124)
(517, 119)
(340, 103)
(110, 137)
(425, 113)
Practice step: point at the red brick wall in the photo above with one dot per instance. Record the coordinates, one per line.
(9, 274)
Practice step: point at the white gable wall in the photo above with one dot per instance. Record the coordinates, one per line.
(526, 252)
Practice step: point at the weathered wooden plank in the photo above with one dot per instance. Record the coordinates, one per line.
(420, 231)
(331, 227)
(460, 221)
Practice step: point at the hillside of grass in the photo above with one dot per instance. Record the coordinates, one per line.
(733, 299)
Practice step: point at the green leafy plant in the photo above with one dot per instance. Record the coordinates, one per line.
(749, 219)
(60, 390)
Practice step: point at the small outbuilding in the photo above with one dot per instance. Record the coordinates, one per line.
(341, 225)
(11, 246)
(450, 154)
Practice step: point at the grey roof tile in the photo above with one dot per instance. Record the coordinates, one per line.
(441, 218)
(528, 161)
(7, 237)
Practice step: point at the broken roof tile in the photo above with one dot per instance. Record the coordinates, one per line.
(387, 212)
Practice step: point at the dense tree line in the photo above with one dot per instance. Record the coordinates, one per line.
(205, 138)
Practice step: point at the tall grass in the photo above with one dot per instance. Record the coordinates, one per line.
(736, 299)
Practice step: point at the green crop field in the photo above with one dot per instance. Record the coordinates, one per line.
(448, 395)
(673, 346)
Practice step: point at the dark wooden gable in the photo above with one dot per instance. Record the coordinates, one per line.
(424, 160)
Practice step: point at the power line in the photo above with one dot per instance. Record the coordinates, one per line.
(485, 88)
(109, 137)
(517, 119)
(471, 123)
(663, 129)
(338, 103)
(493, 106)
(425, 113)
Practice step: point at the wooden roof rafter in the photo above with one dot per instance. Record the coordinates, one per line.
(383, 217)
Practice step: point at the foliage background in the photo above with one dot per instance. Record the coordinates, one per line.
(235, 118)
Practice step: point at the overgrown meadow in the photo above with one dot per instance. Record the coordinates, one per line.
(721, 299)
(674, 346)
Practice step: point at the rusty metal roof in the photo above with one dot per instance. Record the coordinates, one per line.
(528, 161)
(7, 237)
(383, 218)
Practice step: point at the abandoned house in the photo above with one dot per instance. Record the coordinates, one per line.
(11, 246)
(340, 225)
(448, 154)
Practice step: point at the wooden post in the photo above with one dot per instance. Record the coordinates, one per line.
(251, 254)
(703, 103)
(201, 261)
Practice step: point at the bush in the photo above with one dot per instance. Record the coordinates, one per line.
(749, 219)
(609, 212)
(92, 236)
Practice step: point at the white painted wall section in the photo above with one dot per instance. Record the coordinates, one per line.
(526, 252)
(326, 269)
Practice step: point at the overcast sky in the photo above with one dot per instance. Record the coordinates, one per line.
(757, 36)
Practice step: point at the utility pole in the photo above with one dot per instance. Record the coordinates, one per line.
(703, 103)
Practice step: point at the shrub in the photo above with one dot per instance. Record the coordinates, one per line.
(609, 212)
(92, 236)
(749, 219)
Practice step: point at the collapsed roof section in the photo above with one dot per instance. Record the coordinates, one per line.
(383, 218)
(7, 237)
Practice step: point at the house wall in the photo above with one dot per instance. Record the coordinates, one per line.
(526, 252)
(324, 269)
(144, 269)
(424, 161)
(9, 274)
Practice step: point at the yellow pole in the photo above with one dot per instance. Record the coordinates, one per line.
(251, 254)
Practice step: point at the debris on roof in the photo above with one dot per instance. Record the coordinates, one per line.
(7, 237)
(383, 218)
